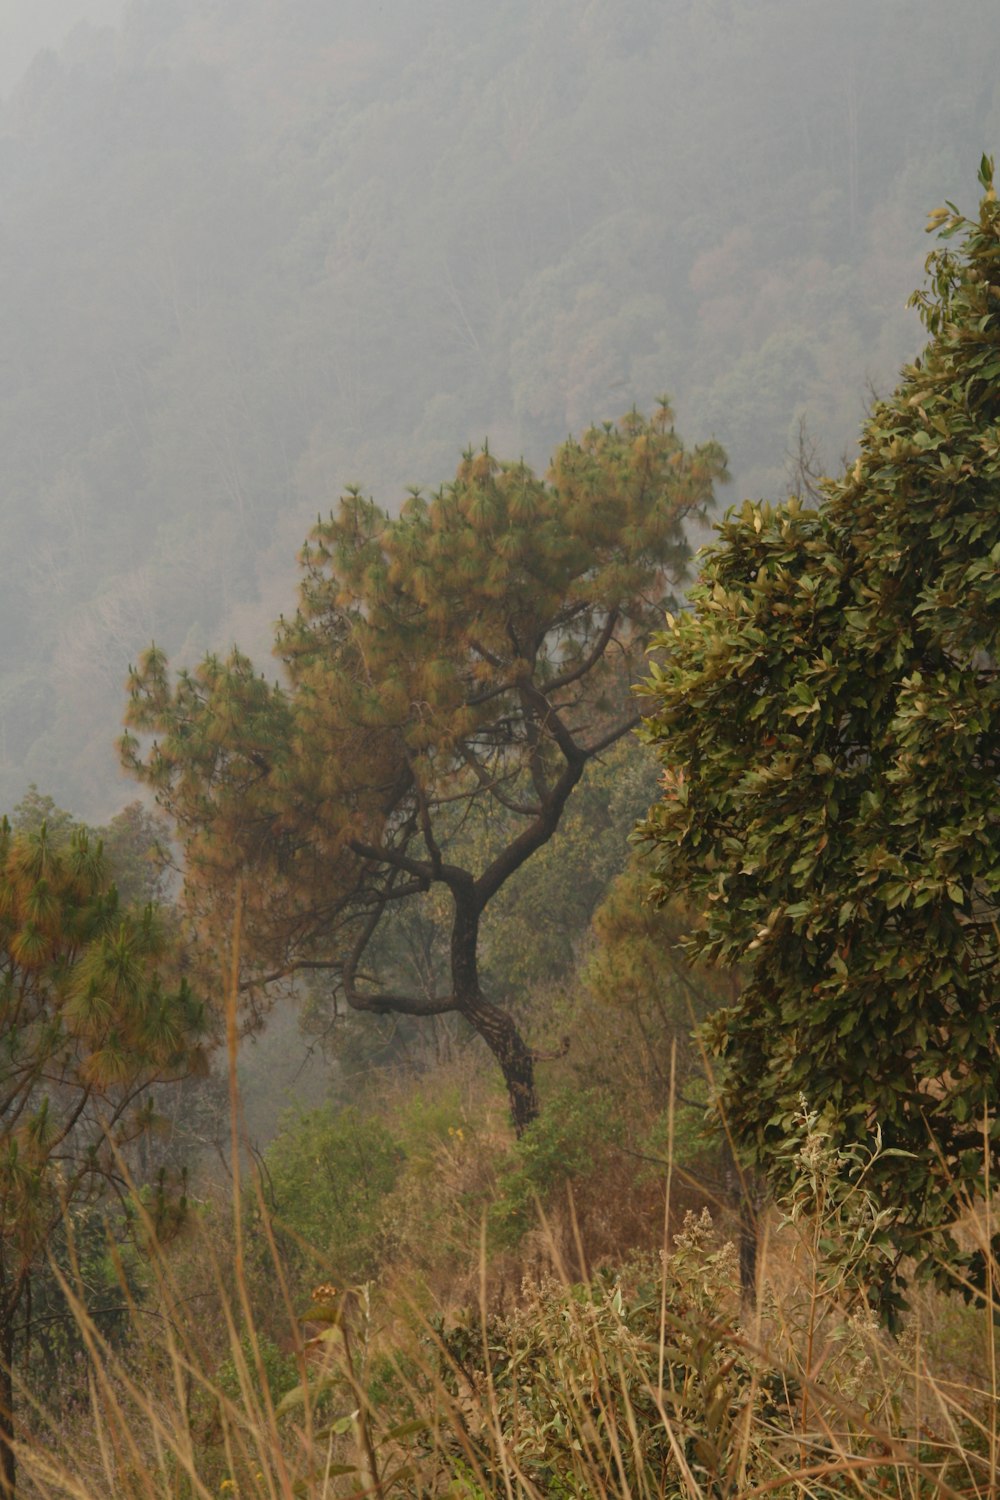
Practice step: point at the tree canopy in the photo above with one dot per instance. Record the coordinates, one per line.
(89, 1020)
(336, 246)
(455, 666)
(828, 718)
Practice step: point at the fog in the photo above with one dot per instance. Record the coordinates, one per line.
(28, 26)
(253, 252)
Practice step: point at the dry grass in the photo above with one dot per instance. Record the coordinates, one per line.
(641, 1382)
(648, 1382)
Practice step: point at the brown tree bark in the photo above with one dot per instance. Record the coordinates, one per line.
(741, 1189)
(494, 1025)
(8, 1461)
(515, 1057)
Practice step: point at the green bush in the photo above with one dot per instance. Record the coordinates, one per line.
(328, 1174)
(564, 1142)
(280, 1370)
(569, 1382)
(426, 1120)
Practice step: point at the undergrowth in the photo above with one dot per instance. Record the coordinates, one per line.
(645, 1378)
(492, 1336)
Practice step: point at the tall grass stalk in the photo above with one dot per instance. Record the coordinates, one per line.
(594, 1364)
(648, 1381)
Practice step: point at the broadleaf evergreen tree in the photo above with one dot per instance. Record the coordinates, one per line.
(828, 717)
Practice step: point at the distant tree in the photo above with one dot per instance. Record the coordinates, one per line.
(133, 842)
(36, 810)
(538, 927)
(135, 846)
(654, 1001)
(637, 965)
(455, 668)
(531, 936)
(828, 717)
(88, 1022)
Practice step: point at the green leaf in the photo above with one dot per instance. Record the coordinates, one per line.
(405, 1429)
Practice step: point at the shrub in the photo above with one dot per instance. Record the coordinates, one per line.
(328, 1174)
(573, 1130)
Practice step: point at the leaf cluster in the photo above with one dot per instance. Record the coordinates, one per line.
(828, 719)
(90, 1017)
(463, 658)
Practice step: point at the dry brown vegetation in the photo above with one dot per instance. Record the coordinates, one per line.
(605, 1353)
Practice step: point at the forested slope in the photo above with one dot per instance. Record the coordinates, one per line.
(254, 252)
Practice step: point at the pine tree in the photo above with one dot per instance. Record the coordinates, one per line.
(466, 659)
(88, 1022)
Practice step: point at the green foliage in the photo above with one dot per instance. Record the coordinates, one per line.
(89, 1022)
(455, 667)
(329, 1173)
(107, 1277)
(576, 1393)
(828, 717)
(133, 842)
(416, 640)
(90, 1019)
(260, 1353)
(425, 1119)
(637, 965)
(682, 1134)
(37, 809)
(565, 1141)
(829, 1199)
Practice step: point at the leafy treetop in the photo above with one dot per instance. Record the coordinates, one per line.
(89, 1020)
(467, 658)
(828, 718)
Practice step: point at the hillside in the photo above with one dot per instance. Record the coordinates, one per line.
(252, 253)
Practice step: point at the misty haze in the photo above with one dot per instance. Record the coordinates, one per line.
(253, 253)
(372, 372)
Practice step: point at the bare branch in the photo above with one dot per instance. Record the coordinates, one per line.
(385, 854)
(589, 662)
(492, 784)
(383, 1002)
(387, 1002)
(293, 968)
(548, 717)
(487, 694)
(613, 736)
(538, 832)
(489, 656)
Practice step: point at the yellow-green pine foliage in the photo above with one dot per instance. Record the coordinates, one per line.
(415, 649)
(91, 1015)
(473, 652)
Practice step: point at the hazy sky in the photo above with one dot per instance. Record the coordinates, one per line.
(28, 25)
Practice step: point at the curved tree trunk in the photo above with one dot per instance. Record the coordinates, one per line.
(515, 1057)
(495, 1026)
